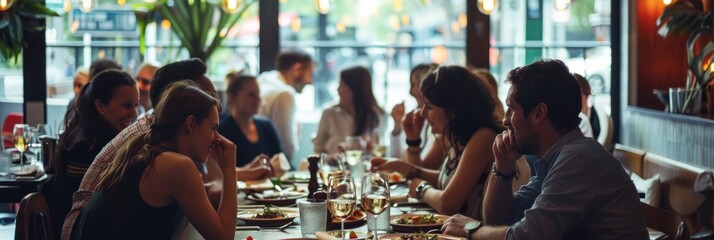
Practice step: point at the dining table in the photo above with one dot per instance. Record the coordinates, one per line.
(244, 231)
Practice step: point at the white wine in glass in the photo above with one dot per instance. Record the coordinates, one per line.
(341, 198)
(21, 140)
(375, 196)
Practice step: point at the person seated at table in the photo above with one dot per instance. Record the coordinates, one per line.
(153, 177)
(255, 135)
(417, 135)
(192, 70)
(143, 82)
(584, 115)
(458, 106)
(356, 114)
(579, 191)
(523, 168)
(97, 66)
(105, 106)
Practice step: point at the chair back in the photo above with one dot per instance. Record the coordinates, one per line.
(8, 124)
(607, 127)
(33, 219)
(665, 221)
(631, 158)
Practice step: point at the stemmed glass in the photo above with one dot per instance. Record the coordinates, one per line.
(375, 196)
(21, 139)
(341, 198)
(354, 147)
(331, 166)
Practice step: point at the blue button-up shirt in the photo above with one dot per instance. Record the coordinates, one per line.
(579, 191)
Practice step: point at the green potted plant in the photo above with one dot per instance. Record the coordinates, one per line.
(18, 16)
(689, 18)
(200, 25)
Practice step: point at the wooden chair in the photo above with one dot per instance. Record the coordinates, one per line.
(631, 158)
(607, 126)
(33, 220)
(665, 221)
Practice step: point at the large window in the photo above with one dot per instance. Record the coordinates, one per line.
(576, 32)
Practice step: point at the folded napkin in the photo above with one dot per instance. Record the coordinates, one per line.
(325, 236)
(29, 172)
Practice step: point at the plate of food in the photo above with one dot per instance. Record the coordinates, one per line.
(357, 218)
(396, 178)
(296, 177)
(417, 222)
(267, 217)
(337, 235)
(419, 236)
(262, 185)
(274, 198)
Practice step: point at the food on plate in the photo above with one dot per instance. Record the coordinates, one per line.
(338, 234)
(418, 236)
(420, 220)
(396, 177)
(270, 213)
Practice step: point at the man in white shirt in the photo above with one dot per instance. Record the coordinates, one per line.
(294, 70)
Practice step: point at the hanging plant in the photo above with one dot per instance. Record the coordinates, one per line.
(193, 21)
(21, 15)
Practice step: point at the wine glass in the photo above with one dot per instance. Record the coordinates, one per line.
(378, 149)
(21, 139)
(354, 147)
(341, 198)
(331, 166)
(375, 196)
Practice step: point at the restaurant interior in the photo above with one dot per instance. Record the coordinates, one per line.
(647, 64)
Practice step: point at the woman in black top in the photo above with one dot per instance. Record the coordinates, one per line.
(254, 135)
(153, 177)
(105, 106)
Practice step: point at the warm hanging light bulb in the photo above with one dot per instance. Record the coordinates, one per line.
(231, 6)
(486, 6)
(667, 2)
(87, 5)
(561, 5)
(323, 6)
(5, 4)
(67, 6)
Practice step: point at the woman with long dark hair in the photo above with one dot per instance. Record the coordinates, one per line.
(153, 177)
(459, 109)
(105, 106)
(356, 114)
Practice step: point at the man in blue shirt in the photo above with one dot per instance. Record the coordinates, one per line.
(579, 190)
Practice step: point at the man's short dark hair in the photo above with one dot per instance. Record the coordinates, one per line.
(548, 81)
(100, 65)
(286, 59)
(191, 69)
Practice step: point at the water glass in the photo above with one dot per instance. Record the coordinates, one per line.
(313, 217)
(5, 163)
(380, 222)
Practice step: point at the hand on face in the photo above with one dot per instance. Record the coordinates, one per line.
(504, 151)
(398, 112)
(454, 226)
(225, 152)
(413, 122)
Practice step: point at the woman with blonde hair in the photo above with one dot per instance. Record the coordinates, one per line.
(153, 178)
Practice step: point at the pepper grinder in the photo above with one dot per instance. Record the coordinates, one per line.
(314, 160)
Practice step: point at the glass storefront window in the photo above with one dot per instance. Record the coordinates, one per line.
(576, 32)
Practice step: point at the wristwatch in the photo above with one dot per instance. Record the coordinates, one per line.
(421, 188)
(471, 227)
